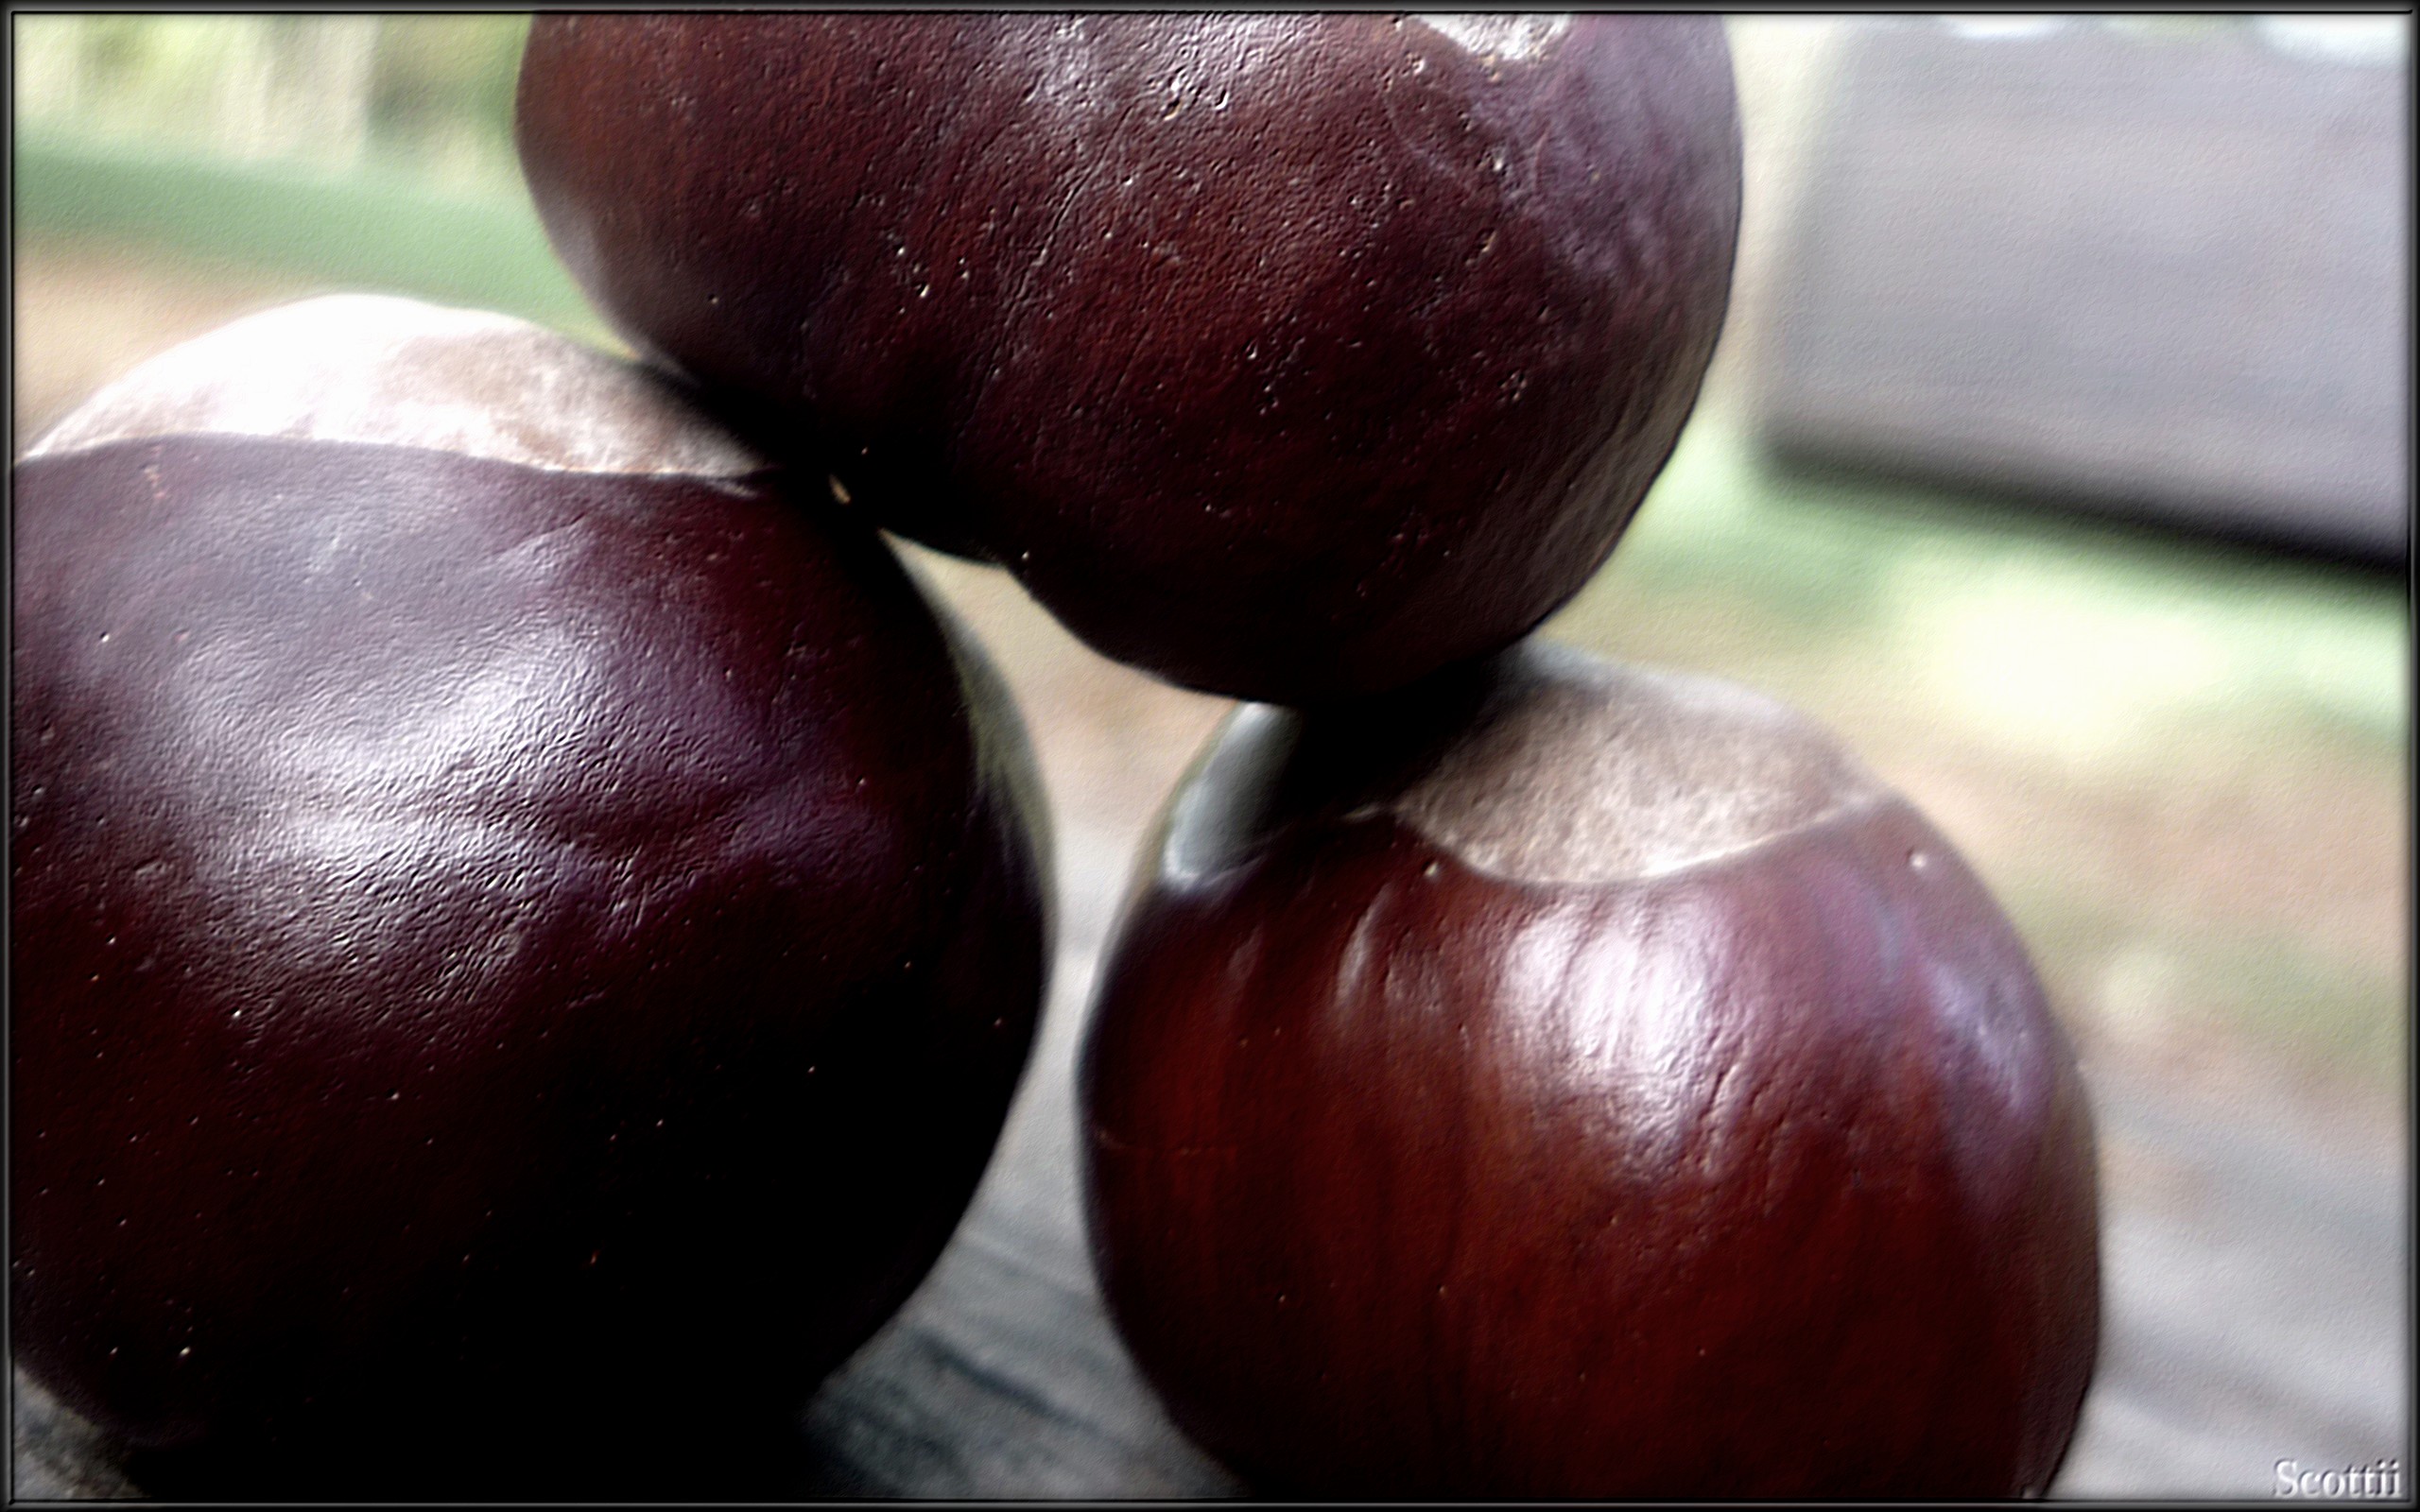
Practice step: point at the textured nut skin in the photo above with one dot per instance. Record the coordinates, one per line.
(1286, 356)
(515, 967)
(1760, 1175)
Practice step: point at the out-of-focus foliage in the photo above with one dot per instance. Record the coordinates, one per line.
(441, 91)
(429, 94)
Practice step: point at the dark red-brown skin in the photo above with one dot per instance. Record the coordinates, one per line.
(1284, 356)
(514, 972)
(1773, 1178)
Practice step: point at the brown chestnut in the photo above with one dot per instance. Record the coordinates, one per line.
(1284, 356)
(1567, 1079)
(523, 940)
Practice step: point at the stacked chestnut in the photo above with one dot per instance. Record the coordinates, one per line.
(519, 900)
(523, 938)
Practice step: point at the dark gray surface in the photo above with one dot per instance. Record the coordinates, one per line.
(2257, 1286)
(2163, 274)
(57, 1455)
(1003, 1376)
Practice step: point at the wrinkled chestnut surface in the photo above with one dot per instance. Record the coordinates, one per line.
(522, 946)
(1693, 1126)
(1286, 356)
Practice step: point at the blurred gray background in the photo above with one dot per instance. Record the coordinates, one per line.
(2160, 269)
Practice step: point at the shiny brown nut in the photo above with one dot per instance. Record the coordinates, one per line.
(522, 941)
(1576, 1080)
(1286, 356)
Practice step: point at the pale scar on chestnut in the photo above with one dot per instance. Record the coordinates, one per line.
(1646, 772)
(374, 369)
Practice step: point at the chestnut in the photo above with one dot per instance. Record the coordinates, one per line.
(1568, 1079)
(523, 939)
(1284, 356)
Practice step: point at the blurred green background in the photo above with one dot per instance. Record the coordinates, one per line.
(357, 151)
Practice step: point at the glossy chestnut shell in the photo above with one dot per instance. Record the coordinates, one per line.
(1575, 1080)
(1284, 356)
(523, 939)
